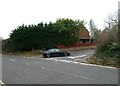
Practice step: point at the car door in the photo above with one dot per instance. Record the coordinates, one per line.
(50, 52)
(54, 53)
(58, 52)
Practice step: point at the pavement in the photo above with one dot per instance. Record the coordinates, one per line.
(58, 70)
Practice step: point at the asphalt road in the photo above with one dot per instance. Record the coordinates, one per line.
(20, 70)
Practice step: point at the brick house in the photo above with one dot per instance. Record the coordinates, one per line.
(84, 36)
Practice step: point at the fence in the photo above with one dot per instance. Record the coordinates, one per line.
(76, 45)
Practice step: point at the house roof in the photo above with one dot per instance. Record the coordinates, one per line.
(84, 33)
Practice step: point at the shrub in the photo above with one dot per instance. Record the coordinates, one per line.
(110, 50)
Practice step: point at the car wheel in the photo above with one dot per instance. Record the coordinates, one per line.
(65, 54)
(68, 54)
(48, 55)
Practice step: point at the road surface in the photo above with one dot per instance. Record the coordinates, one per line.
(20, 70)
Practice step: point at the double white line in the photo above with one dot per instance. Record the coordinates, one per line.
(1, 83)
(73, 57)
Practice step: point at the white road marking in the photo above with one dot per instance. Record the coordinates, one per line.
(12, 60)
(83, 55)
(76, 62)
(28, 63)
(30, 57)
(1, 83)
(73, 57)
(97, 65)
(44, 68)
(81, 76)
(67, 61)
(67, 73)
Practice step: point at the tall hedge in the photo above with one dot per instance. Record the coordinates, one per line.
(43, 35)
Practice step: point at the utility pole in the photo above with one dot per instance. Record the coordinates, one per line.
(119, 21)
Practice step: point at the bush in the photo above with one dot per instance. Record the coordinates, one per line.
(114, 46)
(112, 50)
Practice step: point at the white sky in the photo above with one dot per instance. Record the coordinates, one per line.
(14, 13)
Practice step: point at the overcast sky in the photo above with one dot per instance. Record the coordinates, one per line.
(14, 13)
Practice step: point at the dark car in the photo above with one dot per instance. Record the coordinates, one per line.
(55, 53)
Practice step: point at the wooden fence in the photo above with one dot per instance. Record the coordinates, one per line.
(76, 45)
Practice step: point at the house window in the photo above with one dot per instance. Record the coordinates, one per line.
(83, 41)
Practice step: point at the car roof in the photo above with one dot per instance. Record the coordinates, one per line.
(53, 48)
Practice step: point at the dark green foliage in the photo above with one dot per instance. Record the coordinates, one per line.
(7, 46)
(42, 36)
(110, 50)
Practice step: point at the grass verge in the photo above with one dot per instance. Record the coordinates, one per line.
(25, 53)
(113, 62)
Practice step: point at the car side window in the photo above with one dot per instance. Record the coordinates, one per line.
(51, 50)
(57, 50)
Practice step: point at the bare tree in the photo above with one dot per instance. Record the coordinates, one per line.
(93, 30)
(119, 22)
(112, 20)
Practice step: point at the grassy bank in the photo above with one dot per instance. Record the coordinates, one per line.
(113, 62)
(24, 53)
(107, 55)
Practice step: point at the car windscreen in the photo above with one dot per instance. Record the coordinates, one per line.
(57, 50)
